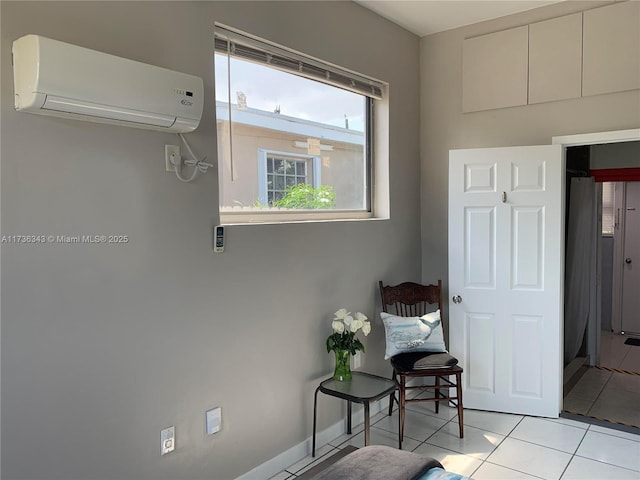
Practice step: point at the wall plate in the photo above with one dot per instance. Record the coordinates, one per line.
(167, 440)
(168, 151)
(214, 419)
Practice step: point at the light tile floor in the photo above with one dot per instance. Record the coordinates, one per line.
(499, 446)
(615, 354)
(511, 447)
(608, 395)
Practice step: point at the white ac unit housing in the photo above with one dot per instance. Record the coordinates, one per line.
(56, 78)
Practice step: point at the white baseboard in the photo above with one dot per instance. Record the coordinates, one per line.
(296, 453)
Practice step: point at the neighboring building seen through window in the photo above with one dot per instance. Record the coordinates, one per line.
(284, 134)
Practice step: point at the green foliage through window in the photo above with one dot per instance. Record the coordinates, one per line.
(305, 196)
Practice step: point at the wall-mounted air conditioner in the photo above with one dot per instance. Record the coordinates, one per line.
(56, 78)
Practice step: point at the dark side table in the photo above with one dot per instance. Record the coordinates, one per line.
(363, 388)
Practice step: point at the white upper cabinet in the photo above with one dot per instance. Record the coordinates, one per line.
(495, 70)
(588, 53)
(611, 49)
(555, 59)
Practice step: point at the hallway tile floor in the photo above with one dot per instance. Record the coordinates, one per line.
(606, 394)
(615, 354)
(499, 446)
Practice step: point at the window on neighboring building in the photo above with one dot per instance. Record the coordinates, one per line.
(285, 119)
(279, 171)
(283, 173)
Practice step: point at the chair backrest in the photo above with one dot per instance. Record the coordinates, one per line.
(411, 299)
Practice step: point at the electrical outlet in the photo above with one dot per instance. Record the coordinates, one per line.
(168, 151)
(167, 440)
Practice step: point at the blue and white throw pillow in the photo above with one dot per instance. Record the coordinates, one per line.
(413, 334)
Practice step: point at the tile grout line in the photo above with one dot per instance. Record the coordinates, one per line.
(508, 435)
(538, 445)
(600, 461)
(624, 357)
(510, 468)
(599, 393)
(436, 431)
(608, 464)
(573, 455)
(314, 461)
(485, 460)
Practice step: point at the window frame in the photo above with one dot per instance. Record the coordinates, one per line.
(374, 173)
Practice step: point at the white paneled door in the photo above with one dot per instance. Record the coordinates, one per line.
(505, 277)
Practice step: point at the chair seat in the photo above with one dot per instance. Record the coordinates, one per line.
(407, 362)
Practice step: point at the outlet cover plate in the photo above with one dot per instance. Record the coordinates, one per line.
(214, 419)
(167, 440)
(168, 150)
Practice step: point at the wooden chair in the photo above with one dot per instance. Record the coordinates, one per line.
(414, 300)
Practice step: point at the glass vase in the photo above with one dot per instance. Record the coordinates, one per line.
(342, 373)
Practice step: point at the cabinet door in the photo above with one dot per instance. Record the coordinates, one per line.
(494, 70)
(555, 59)
(611, 49)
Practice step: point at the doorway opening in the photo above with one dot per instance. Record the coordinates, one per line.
(602, 308)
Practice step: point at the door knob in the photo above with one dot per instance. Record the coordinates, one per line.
(627, 260)
(457, 299)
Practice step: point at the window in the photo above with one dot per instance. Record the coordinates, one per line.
(607, 208)
(280, 171)
(283, 173)
(290, 126)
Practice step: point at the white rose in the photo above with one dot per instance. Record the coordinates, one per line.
(361, 316)
(366, 328)
(348, 320)
(337, 326)
(341, 314)
(356, 325)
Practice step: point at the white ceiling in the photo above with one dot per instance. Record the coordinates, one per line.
(424, 17)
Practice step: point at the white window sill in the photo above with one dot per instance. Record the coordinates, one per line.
(287, 217)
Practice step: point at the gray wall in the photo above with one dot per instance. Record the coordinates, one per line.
(616, 155)
(443, 126)
(104, 345)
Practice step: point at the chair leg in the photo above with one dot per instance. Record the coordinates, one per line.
(392, 397)
(401, 405)
(460, 408)
(437, 394)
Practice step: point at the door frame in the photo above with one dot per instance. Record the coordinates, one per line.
(620, 196)
(615, 136)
